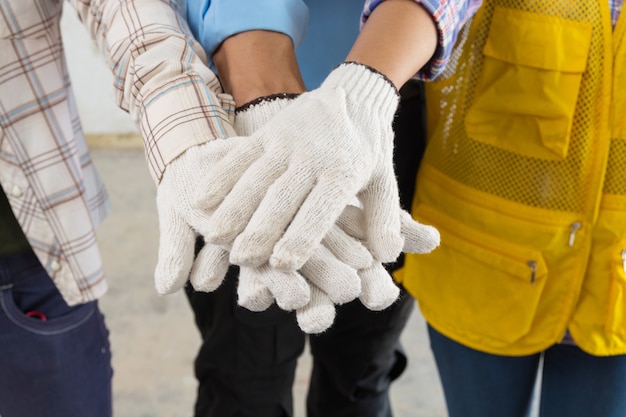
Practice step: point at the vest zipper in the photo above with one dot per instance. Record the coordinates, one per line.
(573, 229)
(624, 260)
(533, 269)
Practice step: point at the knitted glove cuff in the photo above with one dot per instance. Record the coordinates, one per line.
(261, 100)
(365, 86)
(253, 115)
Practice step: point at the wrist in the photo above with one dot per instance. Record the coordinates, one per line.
(256, 64)
(365, 87)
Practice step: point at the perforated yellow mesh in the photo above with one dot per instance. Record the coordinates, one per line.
(563, 177)
(615, 182)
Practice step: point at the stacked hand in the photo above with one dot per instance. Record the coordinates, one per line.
(278, 200)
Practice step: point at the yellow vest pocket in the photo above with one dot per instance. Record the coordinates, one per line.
(476, 288)
(526, 95)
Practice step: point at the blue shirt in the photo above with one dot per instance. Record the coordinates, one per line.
(332, 28)
(212, 21)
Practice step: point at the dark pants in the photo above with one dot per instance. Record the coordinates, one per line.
(59, 367)
(247, 360)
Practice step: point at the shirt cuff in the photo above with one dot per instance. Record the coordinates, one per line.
(225, 18)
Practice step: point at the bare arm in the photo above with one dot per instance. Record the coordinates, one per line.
(258, 63)
(398, 39)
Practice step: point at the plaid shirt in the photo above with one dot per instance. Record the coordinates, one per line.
(616, 8)
(160, 78)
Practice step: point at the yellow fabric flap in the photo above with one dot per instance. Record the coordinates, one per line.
(520, 37)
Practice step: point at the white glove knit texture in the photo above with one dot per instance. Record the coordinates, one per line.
(179, 222)
(280, 191)
(324, 272)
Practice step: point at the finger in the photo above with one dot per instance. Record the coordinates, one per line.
(290, 289)
(251, 292)
(313, 221)
(347, 249)
(176, 251)
(237, 208)
(381, 205)
(209, 268)
(338, 280)
(352, 221)
(379, 289)
(318, 315)
(418, 238)
(224, 174)
(255, 244)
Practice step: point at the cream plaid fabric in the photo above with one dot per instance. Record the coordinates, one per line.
(160, 78)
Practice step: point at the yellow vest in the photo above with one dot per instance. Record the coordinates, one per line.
(525, 177)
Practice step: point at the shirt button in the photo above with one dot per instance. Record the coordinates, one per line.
(55, 266)
(16, 191)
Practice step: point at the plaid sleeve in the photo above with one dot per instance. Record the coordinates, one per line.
(449, 16)
(161, 76)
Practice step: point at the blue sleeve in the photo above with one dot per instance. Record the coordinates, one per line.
(212, 21)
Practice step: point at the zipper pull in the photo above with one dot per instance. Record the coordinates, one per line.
(624, 260)
(533, 270)
(575, 227)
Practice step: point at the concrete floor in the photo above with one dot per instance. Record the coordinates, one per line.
(154, 339)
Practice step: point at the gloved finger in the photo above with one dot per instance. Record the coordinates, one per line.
(314, 219)
(176, 252)
(352, 222)
(237, 208)
(224, 174)
(347, 249)
(209, 268)
(379, 289)
(381, 205)
(318, 315)
(251, 292)
(418, 238)
(290, 289)
(255, 244)
(338, 280)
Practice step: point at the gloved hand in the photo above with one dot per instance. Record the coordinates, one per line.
(279, 192)
(377, 292)
(324, 272)
(340, 248)
(179, 222)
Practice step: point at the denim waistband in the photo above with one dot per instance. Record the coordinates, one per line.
(17, 267)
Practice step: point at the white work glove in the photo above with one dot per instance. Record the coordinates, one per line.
(179, 222)
(342, 244)
(325, 272)
(279, 192)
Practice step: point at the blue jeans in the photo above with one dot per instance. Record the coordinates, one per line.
(57, 367)
(573, 383)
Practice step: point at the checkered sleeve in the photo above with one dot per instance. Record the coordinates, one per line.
(161, 76)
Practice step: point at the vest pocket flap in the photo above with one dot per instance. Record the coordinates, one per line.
(483, 290)
(538, 41)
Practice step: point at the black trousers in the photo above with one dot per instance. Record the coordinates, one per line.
(246, 364)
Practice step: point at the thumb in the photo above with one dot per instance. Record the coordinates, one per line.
(418, 238)
(176, 249)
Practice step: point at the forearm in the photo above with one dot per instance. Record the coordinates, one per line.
(398, 39)
(258, 63)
